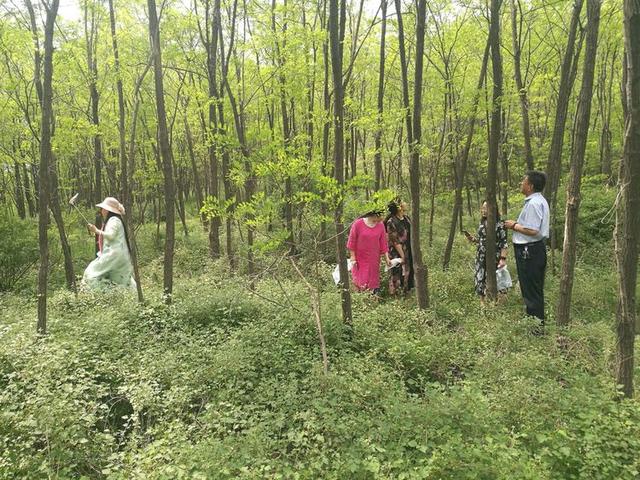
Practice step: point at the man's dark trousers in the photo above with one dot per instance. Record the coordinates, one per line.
(531, 262)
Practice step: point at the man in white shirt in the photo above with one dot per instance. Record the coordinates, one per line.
(530, 232)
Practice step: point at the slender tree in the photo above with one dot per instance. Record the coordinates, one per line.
(52, 174)
(337, 19)
(27, 191)
(45, 162)
(414, 137)
(125, 188)
(378, 137)
(462, 163)
(165, 150)
(91, 44)
(605, 101)
(494, 146)
(226, 157)
(209, 35)
(238, 109)
(287, 130)
(562, 106)
(627, 233)
(197, 184)
(516, 36)
(577, 162)
(19, 191)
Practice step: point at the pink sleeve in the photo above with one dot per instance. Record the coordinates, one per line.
(384, 246)
(353, 236)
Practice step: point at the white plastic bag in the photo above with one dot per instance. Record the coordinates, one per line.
(336, 271)
(394, 263)
(503, 279)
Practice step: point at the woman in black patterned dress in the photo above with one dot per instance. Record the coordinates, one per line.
(398, 228)
(480, 278)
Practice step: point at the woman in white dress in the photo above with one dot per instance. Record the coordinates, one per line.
(113, 265)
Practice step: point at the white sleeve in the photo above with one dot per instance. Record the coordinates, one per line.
(112, 228)
(531, 217)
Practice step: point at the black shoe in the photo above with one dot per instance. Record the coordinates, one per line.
(538, 329)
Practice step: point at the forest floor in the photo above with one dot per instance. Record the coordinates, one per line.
(228, 382)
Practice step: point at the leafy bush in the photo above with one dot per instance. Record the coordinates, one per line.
(18, 249)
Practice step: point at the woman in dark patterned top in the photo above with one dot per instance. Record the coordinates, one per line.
(398, 228)
(480, 240)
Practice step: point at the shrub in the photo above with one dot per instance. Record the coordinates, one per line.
(596, 217)
(18, 249)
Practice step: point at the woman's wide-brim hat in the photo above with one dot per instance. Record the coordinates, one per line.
(112, 205)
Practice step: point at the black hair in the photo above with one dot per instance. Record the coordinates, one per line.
(497, 213)
(537, 179)
(124, 225)
(372, 213)
(393, 210)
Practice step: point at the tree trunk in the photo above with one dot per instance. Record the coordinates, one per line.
(51, 176)
(286, 124)
(56, 210)
(91, 40)
(125, 190)
(165, 152)
(180, 198)
(197, 186)
(447, 126)
(568, 73)
(326, 128)
(132, 140)
(238, 111)
(606, 154)
(36, 49)
(627, 235)
(337, 17)
(226, 159)
(353, 146)
(377, 162)
(28, 192)
(494, 147)
(577, 162)
(564, 93)
(310, 64)
(19, 191)
(45, 161)
(420, 269)
(505, 154)
(414, 135)
(522, 90)
(462, 166)
(214, 96)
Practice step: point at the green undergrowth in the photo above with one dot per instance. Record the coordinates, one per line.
(228, 383)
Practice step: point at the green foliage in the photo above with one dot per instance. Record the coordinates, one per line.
(216, 208)
(227, 383)
(18, 249)
(597, 212)
(357, 205)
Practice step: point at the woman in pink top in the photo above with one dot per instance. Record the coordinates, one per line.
(367, 242)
